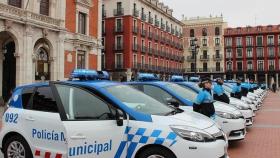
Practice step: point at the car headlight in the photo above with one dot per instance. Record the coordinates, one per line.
(240, 107)
(227, 115)
(192, 134)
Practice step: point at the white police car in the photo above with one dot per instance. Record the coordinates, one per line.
(102, 119)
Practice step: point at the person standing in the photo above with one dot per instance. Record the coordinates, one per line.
(274, 87)
(219, 92)
(236, 90)
(204, 100)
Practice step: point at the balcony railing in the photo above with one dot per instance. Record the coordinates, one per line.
(143, 17)
(172, 31)
(143, 49)
(104, 14)
(119, 66)
(143, 33)
(118, 29)
(239, 57)
(168, 28)
(150, 51)
(118, 47)
(204, 57)
(151, 20)
(190, 58)
(260, 55)
(135, 29)
(162, 26)
(151, 35)
(218, 57)
(156, 23)
(135, 47)
(119, 12)
(135, 12)
(156, 37)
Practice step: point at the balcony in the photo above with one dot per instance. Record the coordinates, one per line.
(119, 12)
(204, 58)
(239, 57)
(150, 51)
(135, 47)
(229, 56)
(104, 14)
(119, 66)
(172, 31)
(135, 29)
(270, 44)
(239, 46)
(218, 57)
(156, 37)
(271, 68)
(249, 45)
(151, 35)
(162, 26)
(118, 47)
(118, 29)
(162, 40)
(156, 52)
(156, 23)
(151, 20)
(259, 44)
(167, 28)
(143, 33)
(249, 56)
(143, 17)
(191, 70)
(260, 69)
(135, 13)
(191, 58)
(204, 70)
(143, 49)
(271, 55)
(217, 70)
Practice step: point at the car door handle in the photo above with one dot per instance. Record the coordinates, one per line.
(78, 136)
(29, 118)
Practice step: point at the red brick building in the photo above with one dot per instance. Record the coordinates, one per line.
(141, 36)
(82, 46)
(253, 52)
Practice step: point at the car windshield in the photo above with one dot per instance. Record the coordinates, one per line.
(138, 101)
(227, 89)
(183, 92)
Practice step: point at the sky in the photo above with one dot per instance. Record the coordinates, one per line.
(235, 12)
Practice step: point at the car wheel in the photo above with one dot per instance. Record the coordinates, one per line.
(156, 152)
(17, 147)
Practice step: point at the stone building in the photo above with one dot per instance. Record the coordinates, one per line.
(37, 36)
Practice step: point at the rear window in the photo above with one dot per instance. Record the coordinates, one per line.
(26, 96)
(43, 100)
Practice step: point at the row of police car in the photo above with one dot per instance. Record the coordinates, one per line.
(90, 116)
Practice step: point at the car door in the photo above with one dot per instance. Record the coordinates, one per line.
(91, 125)
(41, 123)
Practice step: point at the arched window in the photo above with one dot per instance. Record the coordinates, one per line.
(42, 70)
(44, 7)
(217, 31)
(204, 32)
(192, 33)
(15, 3)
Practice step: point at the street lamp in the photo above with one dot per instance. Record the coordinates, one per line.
(194, 48)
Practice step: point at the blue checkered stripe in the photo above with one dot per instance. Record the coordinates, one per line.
(140, 136)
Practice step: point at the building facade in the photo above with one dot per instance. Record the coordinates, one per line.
(36, 38)
(208, 58)
(141, 36)
(253, 52)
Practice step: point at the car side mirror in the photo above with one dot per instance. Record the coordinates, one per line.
(173, 102)
(119, 117)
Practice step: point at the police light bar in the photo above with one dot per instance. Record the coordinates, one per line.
(147, 77)
(194, 79)
(85, 74)
(176, 78)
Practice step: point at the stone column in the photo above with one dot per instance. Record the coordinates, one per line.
(128, 75)
(245, 77)
(256, 77)
(59, 58)
(225, 76)
(212, 77)
(24, 58)
(266, 80)
(277, 80)
(234, 76)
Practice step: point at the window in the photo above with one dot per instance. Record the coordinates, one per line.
(217, 31)
(218, 66)
(271, 65)
(205, 67)
(249, 53)
(228, 41)
(150, 61)
(44, 101)
(204, 42)
(119, 43)
(103, 26)
(26, 96)
(134, 60)
(217, 41)
(119, 61)
(142, 60)
(229, 53)
(239, 66)
(82, 23)
(260, 52)
(218, 55)
(229, 66)
(15, 3)
(249, 41)
(204, 32)
(239, 42)
(81, 60)
(42, 68)
(192, 33)
(119, 25)
(135, 43)
(249, 65)
(239, 52)
(82, 105)
(193, 67)
(271, 52)
(270, 40)
(260, 65)
(157, 93)
(259, 40)
(44, 7)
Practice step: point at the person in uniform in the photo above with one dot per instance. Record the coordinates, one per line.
(219, 92)
(204, 101)
(236, 90)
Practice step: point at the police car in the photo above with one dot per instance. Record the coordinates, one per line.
(229, 118)
(103, 119)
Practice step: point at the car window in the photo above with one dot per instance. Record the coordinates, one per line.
(43, 100)
(137, 100)
(157, 93)
(183, 92)
(26, 96)
(80, 104)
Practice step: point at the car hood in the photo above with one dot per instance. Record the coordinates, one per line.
(187, 118)
(223, 107)
(239, 102)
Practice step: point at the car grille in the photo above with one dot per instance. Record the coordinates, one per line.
(237, 133)
(219, 136)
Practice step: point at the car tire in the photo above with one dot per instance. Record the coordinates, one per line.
(21, 144)
(156, 152)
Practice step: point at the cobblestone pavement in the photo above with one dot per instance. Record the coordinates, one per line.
(263, 138)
